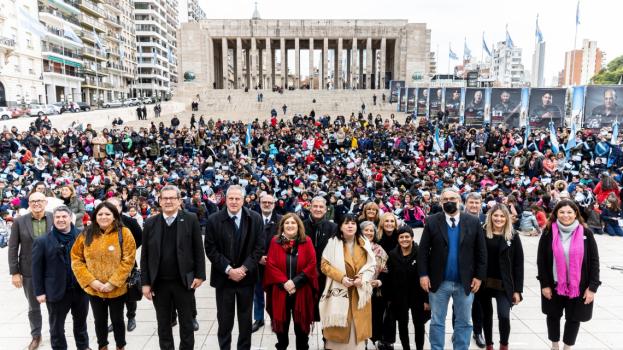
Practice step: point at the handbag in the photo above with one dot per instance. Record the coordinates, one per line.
(133, 283)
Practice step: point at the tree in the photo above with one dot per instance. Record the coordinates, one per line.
(612, 74)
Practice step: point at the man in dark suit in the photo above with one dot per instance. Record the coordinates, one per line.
(271, 223)
(54, 282)
(319, 230)
(452, 263)
(234, 243)
(24, 231)
(137, 233)
(172, 266)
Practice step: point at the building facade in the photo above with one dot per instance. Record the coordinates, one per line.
(361, 54)
(581, 65)
(191, 11)
(156, 25)
(21, 80)
(507, 69)
(538, 65)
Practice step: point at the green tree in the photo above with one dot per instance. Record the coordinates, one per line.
(611, 74)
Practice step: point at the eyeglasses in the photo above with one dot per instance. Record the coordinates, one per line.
(267, 203)
(168, 199)
(37, 201)
(451, 199)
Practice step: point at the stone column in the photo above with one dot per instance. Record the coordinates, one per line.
(382, 68)
(325, 63)
(239, 79)
(354, 71)
(225, 65)
(297, 64)
(397, 73)
(209, 68)
(270, 72)
(339, 82)
(254, 59)
(284, 66)
(311, 63)
(369, 64)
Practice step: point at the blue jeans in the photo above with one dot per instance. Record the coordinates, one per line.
(462, 305)
(258, 301)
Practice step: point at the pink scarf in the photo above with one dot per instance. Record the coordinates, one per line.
(568, 281)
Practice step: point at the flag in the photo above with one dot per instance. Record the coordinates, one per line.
(539, 35)
(452, 55)
(571, 142)
(525, 137)
(121, 51)
(577, 14)
(467, 53)
(247, 140)
(484, 45)
(615, 133)
(30, 22)
(436, 141)
(509, 41)
(98, 41)
(553, 138)
(70, 34)
(621, 80)
(169, 54)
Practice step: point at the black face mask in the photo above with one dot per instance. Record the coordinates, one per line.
(450, 207)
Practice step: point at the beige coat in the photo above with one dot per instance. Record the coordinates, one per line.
(362, 317)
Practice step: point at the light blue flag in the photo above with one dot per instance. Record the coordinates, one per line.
(509, 41)
(571, 142)
(467, 53)
(577, 14)
(615, 133)
(169, 54)
(538, 33)
(436, 141)
(452, 55)
(247, 140)
(553, 138)
(484, 45)
(69, 33)
(30, 22)
(98, 41)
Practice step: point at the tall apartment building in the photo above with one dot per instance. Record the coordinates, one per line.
(538, 65)
(191, 11)
(581, 65)
(507, 68)
(156, 23)
(61, 51)
(20, 54)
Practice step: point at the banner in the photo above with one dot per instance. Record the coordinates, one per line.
(402, 100)
(604, 106)
(411, 93)
(394, 90)
(435, 102)
(525, 101)
(506, 106)
(577, 104)
(474, 108)
(546, 105)
(422, 102)
(453, 104)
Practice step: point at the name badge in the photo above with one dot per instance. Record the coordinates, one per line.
(111, 248)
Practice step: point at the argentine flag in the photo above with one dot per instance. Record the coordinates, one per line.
(553, 139)
(571, 142)
(247, 140)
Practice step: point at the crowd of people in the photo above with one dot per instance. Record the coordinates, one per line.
(310, 218)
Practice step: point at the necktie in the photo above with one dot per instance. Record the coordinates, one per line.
(170, 220)
(266, 221)
(233, 219)
(453, 220)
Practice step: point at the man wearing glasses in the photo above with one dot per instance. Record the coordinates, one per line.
(452, 262)
(271, 223)
(24, 231)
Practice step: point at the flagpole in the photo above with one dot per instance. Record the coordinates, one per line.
(575, 39)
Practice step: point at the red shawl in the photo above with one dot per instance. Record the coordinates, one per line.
(275, 276)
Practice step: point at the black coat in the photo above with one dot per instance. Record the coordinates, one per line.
(433, 252)
(219, 247)
(270, 230)
(320, 232)
(589, 278)
(401, 286)
(134, 228)
(511, 265)
(190, 255)
(49, 272)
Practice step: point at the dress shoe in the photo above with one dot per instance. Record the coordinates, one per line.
(110, 329)
(503, 347)
(131, 324)
(257, 325)
(489, 347)
(195, 324)
(480, 340)
(173, 323)
(34, 343)
(105, 347)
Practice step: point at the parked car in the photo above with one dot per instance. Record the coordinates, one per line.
(134, 101)
(147, 100)
(5, 113)
(39, 110)
(85, 107)
(115, 103)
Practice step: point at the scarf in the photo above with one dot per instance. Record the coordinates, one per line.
(334, 302)
(275, 276)
(568, 274)
(66, 242)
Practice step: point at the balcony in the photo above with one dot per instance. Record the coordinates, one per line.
(92, 23)
(73, 74)
(50, 11)
(113, 21)
(7, 43)
(97, 54)
(67, 5)
(92, 9)
(51, 48)
(88, 36)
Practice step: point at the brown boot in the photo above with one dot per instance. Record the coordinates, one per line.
(105, 347)
(503, 347)
(489, 347)
(34, 343)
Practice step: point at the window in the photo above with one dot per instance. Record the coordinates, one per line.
(29, 41)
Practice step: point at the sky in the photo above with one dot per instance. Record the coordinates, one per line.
(454, 21)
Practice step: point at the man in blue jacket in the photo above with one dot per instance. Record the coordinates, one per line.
(54, 282)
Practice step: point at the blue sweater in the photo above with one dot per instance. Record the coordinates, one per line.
(451, 273)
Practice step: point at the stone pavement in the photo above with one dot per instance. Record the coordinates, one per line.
(604, 331)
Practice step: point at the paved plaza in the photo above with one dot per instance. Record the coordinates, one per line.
(604, 331)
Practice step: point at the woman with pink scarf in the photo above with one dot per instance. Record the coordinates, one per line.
(568, 268)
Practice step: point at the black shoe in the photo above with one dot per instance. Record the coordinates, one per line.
(131, 324)
(257, 325)
(110, 329)
(173, 323)
(195, 324)
(480, 340)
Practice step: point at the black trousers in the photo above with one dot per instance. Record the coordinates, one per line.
(553, 321)
(504, 309)
(168, 296)
(194, 308)
(302, 338)
(229, 299)
(401, 313)
(76, 301)
(101, 307)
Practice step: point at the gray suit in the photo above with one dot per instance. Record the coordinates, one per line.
(20, 261)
